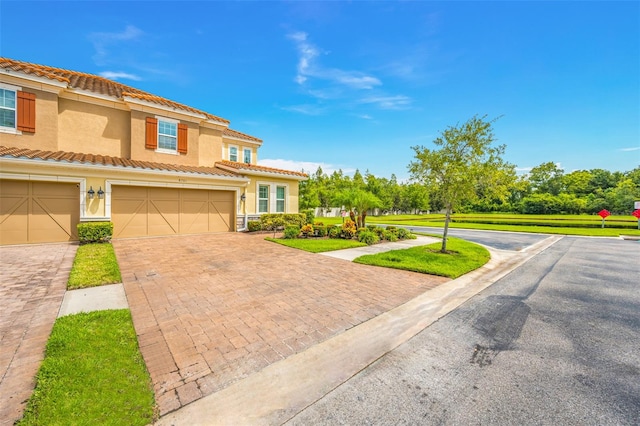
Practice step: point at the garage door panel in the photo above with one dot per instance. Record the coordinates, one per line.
(129, 217)
(164, 217)
(172, 211)
(38, 212)
(194, 218)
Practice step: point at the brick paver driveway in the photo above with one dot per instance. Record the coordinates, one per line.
(33, 279)
(212, 309)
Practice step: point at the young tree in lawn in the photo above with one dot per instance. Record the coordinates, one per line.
(463, 161)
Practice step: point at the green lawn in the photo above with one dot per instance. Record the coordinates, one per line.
(464, 257)
(589, 225)
(95, 264)
(315, 245)
(92, 374)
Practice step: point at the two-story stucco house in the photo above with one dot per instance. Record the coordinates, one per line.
(76, 147)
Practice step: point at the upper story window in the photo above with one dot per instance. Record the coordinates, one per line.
(247, 156)
(8, 108)
(17, 110)
(233, 153)
(166, 135)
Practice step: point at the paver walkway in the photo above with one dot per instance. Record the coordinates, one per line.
(33, 280)
(212, 309)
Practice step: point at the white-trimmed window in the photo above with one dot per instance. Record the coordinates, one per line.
(8, 108)
(281, 192)
(247, 155)
(167, 135)
(233, 153)
(263, 198)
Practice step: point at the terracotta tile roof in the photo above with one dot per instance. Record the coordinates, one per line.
(256, 168)
(96, 84)
(105, 160)
(236, 134)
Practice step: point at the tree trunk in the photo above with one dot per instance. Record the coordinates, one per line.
(352, 216)
(445, 232)
(364, 217)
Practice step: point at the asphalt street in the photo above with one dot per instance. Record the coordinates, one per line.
(501, 240)
(556, 341)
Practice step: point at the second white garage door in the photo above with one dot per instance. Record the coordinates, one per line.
(142, 211)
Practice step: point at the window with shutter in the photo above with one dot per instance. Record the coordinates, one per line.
(151, 140)
(26, 112)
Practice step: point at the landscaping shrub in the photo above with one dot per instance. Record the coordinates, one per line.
(95, 232)
(309, 216)
(368, 237)
(403, 233)
(254, 225)
(390, 236)
(307, 230)
(291, 232)
(335, 232)
(321, 231)
(348, 229)
(391, 228)
(274, 221)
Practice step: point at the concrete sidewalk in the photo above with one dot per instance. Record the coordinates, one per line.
(350, 254)
(93, 299)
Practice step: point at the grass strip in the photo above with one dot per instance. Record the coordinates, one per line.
(95, 264)
(93, 373)
(317, 245)
(464, 257)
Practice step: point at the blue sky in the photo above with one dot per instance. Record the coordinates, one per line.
(353, 85)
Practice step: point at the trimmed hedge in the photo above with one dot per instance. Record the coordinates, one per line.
(254, 225)
(274, 221)
(95, 232)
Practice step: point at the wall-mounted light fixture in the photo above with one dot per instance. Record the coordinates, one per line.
(91, 193)
(100, 193)
(243, 197)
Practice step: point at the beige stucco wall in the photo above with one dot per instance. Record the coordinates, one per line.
(45, 136)
(210, 146)
(93, 129)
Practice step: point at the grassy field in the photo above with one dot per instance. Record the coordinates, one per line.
(317, 245)
(463, 257)
(589, 225)
(92, 374)
(95, 264)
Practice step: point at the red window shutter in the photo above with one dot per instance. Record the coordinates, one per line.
(182, 138)
(151, 140)
(26, 112)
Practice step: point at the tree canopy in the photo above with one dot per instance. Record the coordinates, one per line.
(464, 163)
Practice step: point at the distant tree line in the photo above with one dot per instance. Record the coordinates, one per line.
(546, 189)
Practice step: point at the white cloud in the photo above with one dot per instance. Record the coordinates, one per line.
(635, 148)
(308, 167)
(308, 67)
(115, 75)
(103, 41)
(306, 109)
(397, 102)
(365, 116)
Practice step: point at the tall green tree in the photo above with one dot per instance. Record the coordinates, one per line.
(464, 159)
(547, 178)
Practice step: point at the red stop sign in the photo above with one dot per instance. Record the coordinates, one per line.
(636, 213)
(604, 213)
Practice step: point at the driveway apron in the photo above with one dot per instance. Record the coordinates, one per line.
(33, 280)
(212, 309)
